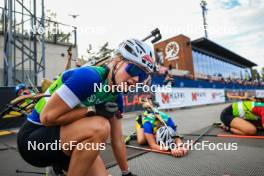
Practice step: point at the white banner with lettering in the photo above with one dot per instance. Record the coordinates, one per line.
(184, 97)
(260, 93)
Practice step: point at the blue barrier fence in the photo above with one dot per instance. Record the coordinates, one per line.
(188, 83)
(7, 93)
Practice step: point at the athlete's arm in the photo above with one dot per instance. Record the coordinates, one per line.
(57, 112)
(237, 96)
(262, 120)
(258, 110)
(69, 58)
(152, 143)
(61, 107)
(118, 144)
(180, 151)
(171, 124)
(120, 103)
(261, 115)
(148, 132)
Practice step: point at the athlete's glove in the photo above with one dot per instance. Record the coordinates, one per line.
(107, 109)
(128, 174)
(119, 114)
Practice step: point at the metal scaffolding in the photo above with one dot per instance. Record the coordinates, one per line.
(21, 37)
(26, 30)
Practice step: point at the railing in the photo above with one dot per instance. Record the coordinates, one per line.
(54, 31)
(182, 82)
(1, 21)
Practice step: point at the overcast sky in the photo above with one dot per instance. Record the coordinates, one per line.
(235, 24)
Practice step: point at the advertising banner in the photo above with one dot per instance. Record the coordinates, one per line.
(184, 97)
(260, 93)
(239, 93)
(132, 101)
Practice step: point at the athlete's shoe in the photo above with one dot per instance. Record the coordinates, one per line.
(130, 137)
(54, 171)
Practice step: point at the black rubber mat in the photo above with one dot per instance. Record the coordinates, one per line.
(218, 130)
(109, 159)
(248, 159)
(9, 140)
(11, 161)
(14, 122)
(8, 149)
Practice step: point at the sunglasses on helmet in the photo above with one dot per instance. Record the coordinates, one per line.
(133, 70)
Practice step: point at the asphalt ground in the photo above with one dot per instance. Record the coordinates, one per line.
(187, 120)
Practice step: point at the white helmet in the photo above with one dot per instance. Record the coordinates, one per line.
(137, 52)
(165, 134)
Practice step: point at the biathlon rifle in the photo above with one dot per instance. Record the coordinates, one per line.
(32, 85)
(156, 37)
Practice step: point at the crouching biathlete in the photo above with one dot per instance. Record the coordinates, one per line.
(64, 115)
(158, 130)
(243, 117)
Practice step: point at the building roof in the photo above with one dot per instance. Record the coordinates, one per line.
(214, 49)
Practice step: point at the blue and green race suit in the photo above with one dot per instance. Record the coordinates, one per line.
(151, 124)
(76, 87)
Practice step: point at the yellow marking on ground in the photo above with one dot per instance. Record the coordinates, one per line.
(2, 133)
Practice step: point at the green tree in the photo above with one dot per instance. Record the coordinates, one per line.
(51, 26)
(255, 74)
(102, 54)
(262, 73)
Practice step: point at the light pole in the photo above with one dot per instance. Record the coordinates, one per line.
(203, 5)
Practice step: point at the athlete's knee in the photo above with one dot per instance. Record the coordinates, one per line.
(141, 137)
(250, 130)
(141, 140)
(101, 128)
